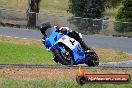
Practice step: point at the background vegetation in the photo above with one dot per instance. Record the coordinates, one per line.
(45, 5)
(124, 15)
(87, 8)
(54, 6)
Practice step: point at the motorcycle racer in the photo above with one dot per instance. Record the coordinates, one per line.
(73, 34)
(65, 30)
(70, 49)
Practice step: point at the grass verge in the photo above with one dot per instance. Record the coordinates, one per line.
(27, 51)
(10, 83)
(51, 78)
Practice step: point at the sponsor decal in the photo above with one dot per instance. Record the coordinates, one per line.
(63, 38)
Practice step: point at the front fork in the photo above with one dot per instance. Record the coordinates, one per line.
(62, 51)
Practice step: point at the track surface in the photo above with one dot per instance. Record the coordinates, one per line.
(60, 66)
(116, 43)
(109, 65)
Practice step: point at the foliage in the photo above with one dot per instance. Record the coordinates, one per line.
(112, 3)
(124, 15)
(89, 9)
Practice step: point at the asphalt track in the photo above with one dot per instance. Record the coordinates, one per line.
(63, 66)
(100, 41)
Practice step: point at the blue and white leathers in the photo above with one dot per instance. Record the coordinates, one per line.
(53, 41)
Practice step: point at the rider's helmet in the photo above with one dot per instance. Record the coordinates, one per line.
(44, 26)
(63, 30)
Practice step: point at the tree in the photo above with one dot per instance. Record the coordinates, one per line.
(85, 11)
(87, 8)
(124, 16)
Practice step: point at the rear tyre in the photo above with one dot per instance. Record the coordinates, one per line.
(61, 59)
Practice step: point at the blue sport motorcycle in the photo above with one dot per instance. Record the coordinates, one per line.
(67, 50)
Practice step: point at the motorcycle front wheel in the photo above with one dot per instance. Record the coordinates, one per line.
(94, 59)
(62, 58)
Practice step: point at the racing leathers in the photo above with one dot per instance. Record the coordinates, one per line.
(73, 34)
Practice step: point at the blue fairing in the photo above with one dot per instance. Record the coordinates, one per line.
(79, 55)
(51, 40)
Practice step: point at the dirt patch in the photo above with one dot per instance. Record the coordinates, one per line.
(20, 41)
(109, 55)
(37, 73)
(50, 74)
(14, 21)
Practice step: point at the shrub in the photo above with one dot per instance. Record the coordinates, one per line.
(124, 16)
(87, 10)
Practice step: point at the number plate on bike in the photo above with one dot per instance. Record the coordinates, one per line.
(70, 42)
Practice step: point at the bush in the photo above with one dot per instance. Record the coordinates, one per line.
(87, 8)
(124, 15)
(86, 11)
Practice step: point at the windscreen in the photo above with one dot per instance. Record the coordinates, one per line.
(49, 31)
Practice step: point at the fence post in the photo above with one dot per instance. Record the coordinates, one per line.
(32, 12)
(102, 25)
(31, 19)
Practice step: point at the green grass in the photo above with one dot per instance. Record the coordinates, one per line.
(24, 54)
(20, 51)
(8, 82)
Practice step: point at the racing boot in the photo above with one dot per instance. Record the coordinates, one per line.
(85, 47)
(88, 51)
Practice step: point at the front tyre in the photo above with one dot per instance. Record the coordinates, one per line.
(94, 61)
(61, 58)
